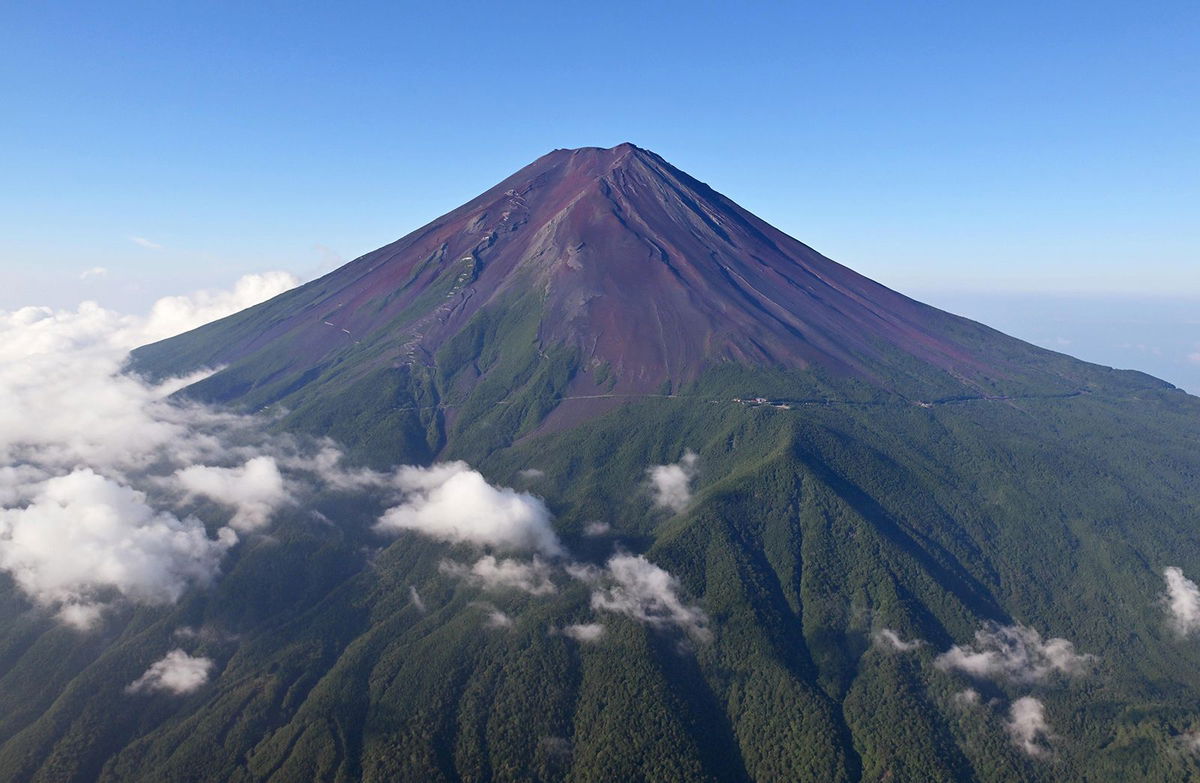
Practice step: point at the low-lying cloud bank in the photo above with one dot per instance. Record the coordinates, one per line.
(177, 673)
(1015, 653)
(82, 534)
(104, 480)
(80, 444)
(102, 475)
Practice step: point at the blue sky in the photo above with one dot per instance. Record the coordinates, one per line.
(941, 148)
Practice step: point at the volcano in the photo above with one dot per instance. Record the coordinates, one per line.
(804, 528)
(635, 265)
(627, 277)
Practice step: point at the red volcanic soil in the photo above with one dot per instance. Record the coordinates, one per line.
(649, 274)
(652, 271)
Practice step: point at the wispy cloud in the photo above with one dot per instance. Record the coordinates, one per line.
(96, 271)
(635, 587)
(671, 484)
(507, 574)
(416, 599)
(495, 619)
(889, 639)
(177, 673)
(173, 315)
(585, 633)
(1182, 601)
(330, 258)
(1015, 653)
(146, 243)
(89, 490)
(967, 698)
(206, 633)
(1028, 727)
(255, 489)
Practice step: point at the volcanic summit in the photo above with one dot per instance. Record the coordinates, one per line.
(645, 276)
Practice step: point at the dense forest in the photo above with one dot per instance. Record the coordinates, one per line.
(813, 529)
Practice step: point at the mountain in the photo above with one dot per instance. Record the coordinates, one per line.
(908, 547)
(588, 277)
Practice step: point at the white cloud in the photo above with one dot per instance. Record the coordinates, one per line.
(451, 502)
(1015, 653)
(255, 489)
(585, 633)
(1182, 600)
(671, 484)
(323, 463)
(82, 534)
(492, 574)
(96, 271)
(531, 474)
(95, 467)
(888, 638)
(967, 698)
(584, 572)
(66, 402)
(595, 529)
(61, 413)
(205, 633)
(416, 599)
(497, 619)
(1028, 727)
(647, 593)
(174, 315)
(81, 616)
(146, 243)
(84, 451)
(177, 673)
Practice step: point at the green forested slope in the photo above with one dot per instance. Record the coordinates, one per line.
(812, 529)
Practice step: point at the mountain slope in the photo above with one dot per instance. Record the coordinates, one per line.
(592, 275)
(594, 315)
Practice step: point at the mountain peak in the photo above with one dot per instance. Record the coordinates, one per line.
(624, 148)
(642, 276)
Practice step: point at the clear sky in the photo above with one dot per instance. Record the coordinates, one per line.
(1018, 147)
